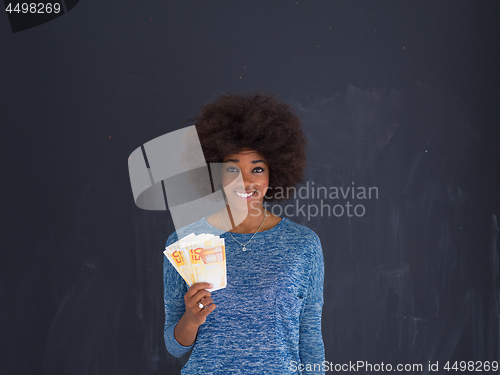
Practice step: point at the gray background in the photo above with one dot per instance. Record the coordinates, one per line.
(412, 281)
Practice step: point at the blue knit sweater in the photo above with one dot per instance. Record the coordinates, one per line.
(268, 318)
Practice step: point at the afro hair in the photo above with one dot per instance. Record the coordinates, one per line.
(260, 122)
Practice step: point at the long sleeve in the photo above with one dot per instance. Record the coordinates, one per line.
(268, 318)
(174, 289)
(311, 348)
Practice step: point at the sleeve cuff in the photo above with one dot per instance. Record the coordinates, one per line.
(173, 347)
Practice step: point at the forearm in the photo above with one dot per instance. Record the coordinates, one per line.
(185, 332)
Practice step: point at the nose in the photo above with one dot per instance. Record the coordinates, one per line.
(247, 179)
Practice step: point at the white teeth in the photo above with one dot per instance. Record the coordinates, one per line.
(243, 195)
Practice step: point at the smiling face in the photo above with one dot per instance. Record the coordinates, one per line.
(254, 169)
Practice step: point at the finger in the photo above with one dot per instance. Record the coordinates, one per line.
(199, 295)
(202, 294)
(193, 289)
(205, 301)
(207, 310)
(195, 300)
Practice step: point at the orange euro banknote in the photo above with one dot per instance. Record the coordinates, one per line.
(200, 258)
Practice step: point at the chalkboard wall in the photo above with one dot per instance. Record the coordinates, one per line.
(398, 99)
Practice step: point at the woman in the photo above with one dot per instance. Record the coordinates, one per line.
(268, 318)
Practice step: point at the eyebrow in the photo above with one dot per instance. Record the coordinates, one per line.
(253, 161)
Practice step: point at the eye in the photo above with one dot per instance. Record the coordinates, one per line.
(231, 169)
(259, 169)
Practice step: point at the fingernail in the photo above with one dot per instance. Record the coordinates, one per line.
(211, 286)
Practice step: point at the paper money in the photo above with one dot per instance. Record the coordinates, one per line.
(200, 258)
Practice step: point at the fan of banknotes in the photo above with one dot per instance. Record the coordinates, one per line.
(200, 258)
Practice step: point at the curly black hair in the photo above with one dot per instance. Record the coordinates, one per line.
(258, 121)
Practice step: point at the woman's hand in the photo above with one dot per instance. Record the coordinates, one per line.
(195, 296)
(186, 329)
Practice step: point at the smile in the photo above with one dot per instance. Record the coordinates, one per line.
(245, 195)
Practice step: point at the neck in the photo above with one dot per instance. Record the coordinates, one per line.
(248, 224)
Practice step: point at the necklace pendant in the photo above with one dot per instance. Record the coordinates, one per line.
(244, 248)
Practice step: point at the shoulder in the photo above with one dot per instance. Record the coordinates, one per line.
(300, 233)
(303, 247)
(301, 240)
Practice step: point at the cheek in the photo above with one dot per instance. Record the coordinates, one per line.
(264, 183)
(229, 180)
(225, 180)
(228, 185)
(266, 179)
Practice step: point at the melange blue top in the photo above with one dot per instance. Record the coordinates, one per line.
(268, 318)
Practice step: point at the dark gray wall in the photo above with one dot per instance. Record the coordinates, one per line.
(403, 96)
